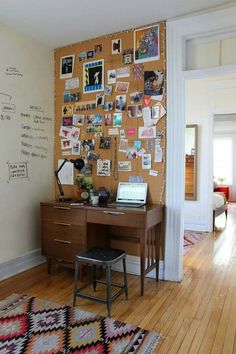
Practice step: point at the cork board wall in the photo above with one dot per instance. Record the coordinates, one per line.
(135, 72)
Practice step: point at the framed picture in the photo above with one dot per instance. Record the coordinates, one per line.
(93, 76)
(146, 44)
(67, 67)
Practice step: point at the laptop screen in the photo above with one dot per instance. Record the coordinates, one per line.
(131, 192)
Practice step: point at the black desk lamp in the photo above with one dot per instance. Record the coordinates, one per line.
(78, 164)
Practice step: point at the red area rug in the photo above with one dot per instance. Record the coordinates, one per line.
(31, 325)
(192, 237)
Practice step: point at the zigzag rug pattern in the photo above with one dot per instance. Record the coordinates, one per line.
(32, 325)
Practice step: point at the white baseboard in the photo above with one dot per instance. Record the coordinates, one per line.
(20, 264)
(133, 267)
(196, 227)
(34, 258)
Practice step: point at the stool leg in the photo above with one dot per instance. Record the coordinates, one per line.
(108, 281)
(125, 278)
(94, 277)
(75, 281)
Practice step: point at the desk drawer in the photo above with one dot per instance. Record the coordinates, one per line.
(119, 218)
(65, 251)
(64, 231)
(64, 214)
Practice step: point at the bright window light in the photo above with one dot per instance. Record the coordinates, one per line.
(223, 160)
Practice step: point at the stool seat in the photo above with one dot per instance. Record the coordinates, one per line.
(104, 257)
(101, 256)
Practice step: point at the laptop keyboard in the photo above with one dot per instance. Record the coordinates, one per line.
(127, 205)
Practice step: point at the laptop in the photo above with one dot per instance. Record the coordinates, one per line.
(131, 195)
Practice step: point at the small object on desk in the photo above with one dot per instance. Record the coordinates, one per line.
(76, 203)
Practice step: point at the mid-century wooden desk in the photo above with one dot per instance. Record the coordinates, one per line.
(67, 229)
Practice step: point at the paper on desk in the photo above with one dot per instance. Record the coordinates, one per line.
(66, 175)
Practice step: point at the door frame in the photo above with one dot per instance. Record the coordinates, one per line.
(217, 22)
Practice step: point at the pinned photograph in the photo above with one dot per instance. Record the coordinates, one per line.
(82, 56)
(117, 119)
(122, 86)
(123, 72)
(120, 103)
(134, 111)
(108, 90)
(98, 48)
(111, 76)
(108, 106)
(128, 56)
(65, 132)
(136, 97)
(122, 133)
(76, 148)
(75, 133)
(147, 132)
(71, 97)
(67, 110)
(138, 70)
(85, 106)
(105, 143)
(67, 121)
(131, 131)
(108, 119)
(87, 145)
(123, 145)
(100, 99)
(137, 144)
(78, 119)
(93, 76)
(94, 122)
(67, 67)
(124, 166)
(146, 161)
(153, 83)
(90, 54)
(71, 84)
(131, 153)
(146, 44)
(103, 167)
(66, 144)
(116, 46)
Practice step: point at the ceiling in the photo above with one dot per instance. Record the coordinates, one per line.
(58, 23)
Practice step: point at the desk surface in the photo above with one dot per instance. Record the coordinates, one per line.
(143, 209)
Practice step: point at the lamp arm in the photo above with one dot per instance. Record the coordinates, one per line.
(59, 185)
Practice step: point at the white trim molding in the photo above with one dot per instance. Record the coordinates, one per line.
(133, 267)
(215, 23)
(20, 264)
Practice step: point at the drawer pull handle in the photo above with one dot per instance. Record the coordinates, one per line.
(62, 208)
(61, 223)
(62, 241)
(113, 212)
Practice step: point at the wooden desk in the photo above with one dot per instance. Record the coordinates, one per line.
(69, 229)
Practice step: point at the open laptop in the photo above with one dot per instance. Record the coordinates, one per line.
(131, 195)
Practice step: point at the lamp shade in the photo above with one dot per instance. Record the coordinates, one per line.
(78, 164)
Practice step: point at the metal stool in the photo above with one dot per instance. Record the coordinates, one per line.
(105, 257)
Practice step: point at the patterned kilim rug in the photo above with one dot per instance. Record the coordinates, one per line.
(32, 325)
(192, 237)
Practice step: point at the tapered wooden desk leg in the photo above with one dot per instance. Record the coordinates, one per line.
(142, 258)
(158, 248)
(49, 263)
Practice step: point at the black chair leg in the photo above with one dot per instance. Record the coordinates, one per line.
(75, 282)
(108, 281)
(94, 277)
(125, 279)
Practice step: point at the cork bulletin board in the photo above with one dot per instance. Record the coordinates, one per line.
(108, 74)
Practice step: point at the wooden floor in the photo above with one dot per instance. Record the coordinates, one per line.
(196, 316)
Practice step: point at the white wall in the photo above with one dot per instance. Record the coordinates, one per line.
(204, 97)
(26, 144)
